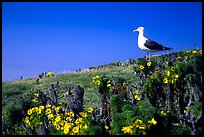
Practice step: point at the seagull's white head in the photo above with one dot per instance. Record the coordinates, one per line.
(140, 29)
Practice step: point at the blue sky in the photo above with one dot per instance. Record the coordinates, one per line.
(64, 36)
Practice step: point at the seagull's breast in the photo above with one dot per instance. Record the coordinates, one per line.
(141, 42)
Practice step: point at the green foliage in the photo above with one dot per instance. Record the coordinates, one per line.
(165, 86)
(196, 107)
(13, 113)
(116, 102)
(180, 130)
(153, 87)
(122, 110)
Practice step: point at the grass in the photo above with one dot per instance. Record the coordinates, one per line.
(11, 90)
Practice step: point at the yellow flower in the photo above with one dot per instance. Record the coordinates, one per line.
(142, 127)
(186, 57)
(68, 118)
(176, 75)
(55, 123)
(80, 125)
(67, 93)
(83, 114)
(106, 127)
(62, 128)
(137, 97)
(27, 120)
(200, 51)
(172, 68)
(58, 118)
(163, 114)
(149, 63)
(171, 81)
(71, 114)
(75, 129)
(35, 100)
(139, 121)
(58, 127)
(36, 109)
(98, 82)
(137, 92)
(141, 67)
(36, 94)
(167, 73)
(79, 120)
(85, 126)
(57, 109)
(194, 51)
(50, 116)
(29, 111)
(53, 107)
(89, 110)
(108, 81)
(154, 122)
(127, 129)
(185, 110)
(41, 107)
(48, 105)
(165, 80)
(39, 111)
(97, 76)
(48, 111)
(66, 130)
(108, 85)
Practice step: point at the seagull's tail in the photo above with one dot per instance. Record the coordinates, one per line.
(167, 48)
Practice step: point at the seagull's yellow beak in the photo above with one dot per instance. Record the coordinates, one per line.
(135, 30)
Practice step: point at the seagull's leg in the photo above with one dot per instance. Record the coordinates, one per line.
(148, 56)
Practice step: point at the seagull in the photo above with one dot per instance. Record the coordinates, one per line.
(147, 44)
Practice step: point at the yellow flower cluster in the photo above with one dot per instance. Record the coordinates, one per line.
(170, 76)
(108, 83)
(68, 124)
(148, 64)
(96, 80)
(49, 74)
(137, 95)
(195, 51)
(35, 99)
(139, 125)
(186, 109)
(64, 122)
(37, 110)
(34, 116)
